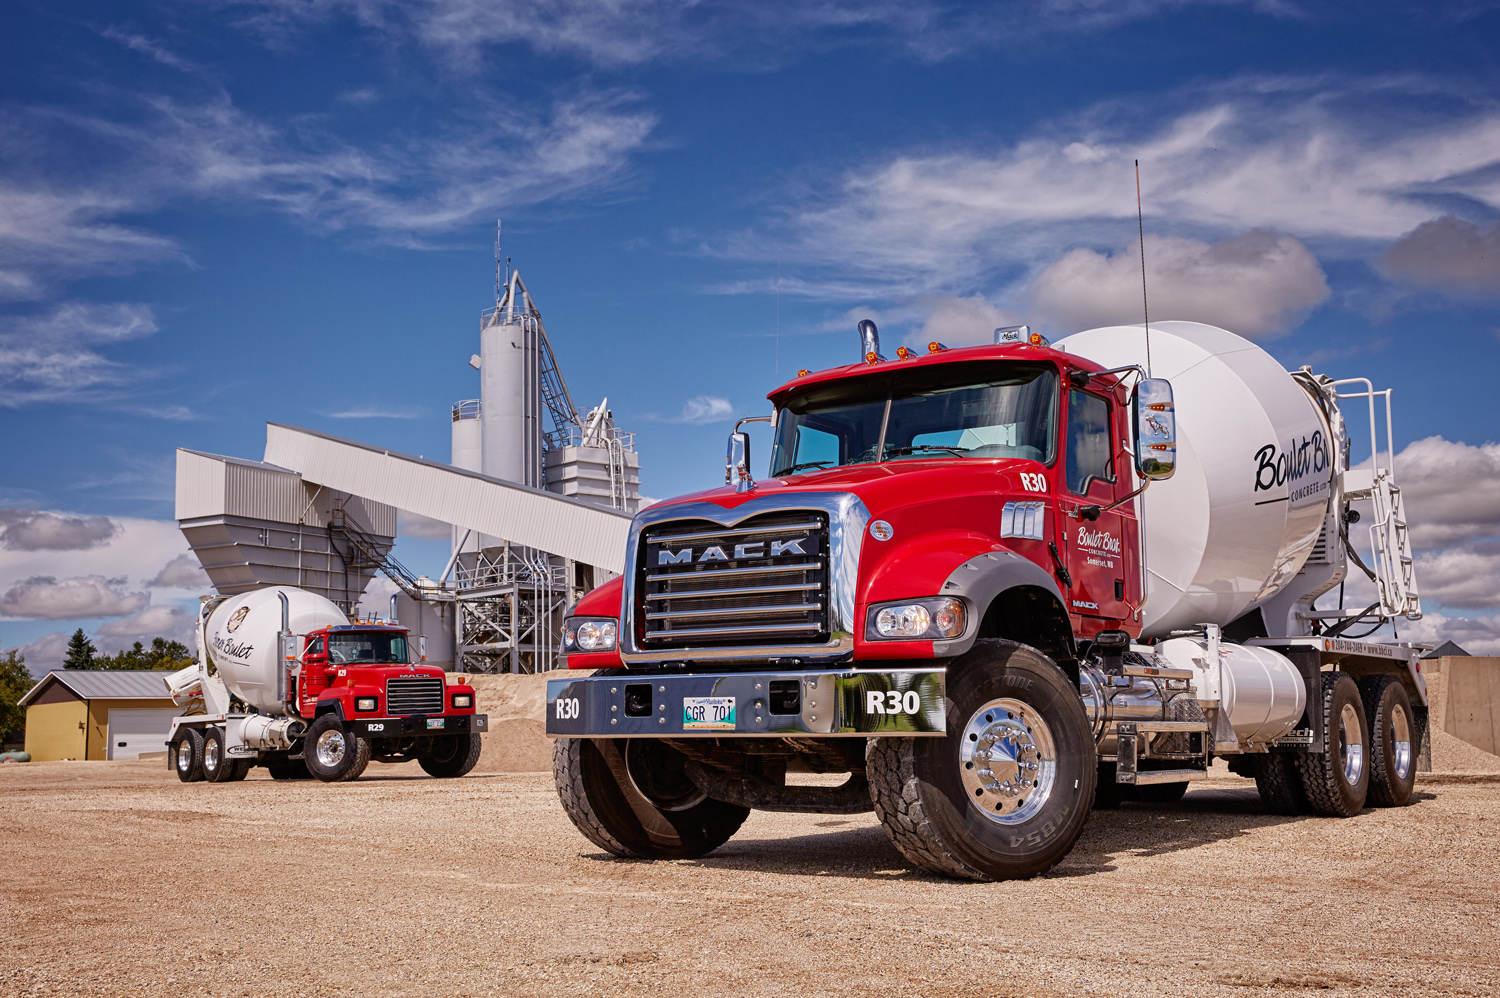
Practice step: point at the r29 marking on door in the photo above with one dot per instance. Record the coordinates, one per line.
(567, 708)
(1033, 482)
(892, 702)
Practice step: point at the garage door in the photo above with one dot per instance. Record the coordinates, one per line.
(132, 732)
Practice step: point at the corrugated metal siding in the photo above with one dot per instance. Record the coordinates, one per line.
(523, 516)
(200, 485)
(263, 493)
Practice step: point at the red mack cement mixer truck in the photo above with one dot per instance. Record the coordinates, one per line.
(1000, 586)
(284, 680)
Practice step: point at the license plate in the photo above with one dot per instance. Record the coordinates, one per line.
(708, 713)
(435, 722)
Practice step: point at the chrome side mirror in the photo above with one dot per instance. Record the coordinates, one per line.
(1155, 423)
(737, 462)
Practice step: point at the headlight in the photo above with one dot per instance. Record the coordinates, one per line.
(463, 700)
(364, 704)
(589, 634)
(915, 619)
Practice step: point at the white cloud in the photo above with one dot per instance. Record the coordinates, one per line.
(43, 597)
(46, 653)
(423, 528)
(160, 621)
(28, 530)
(135, 551)
(182, 572)
(56, 354)
(1475, 635)
(959, 321)
(1448, 254)
(1466, 577)
(1451, 490)
(1258, 284)
(705, 409)
(1308, 158)
(373, 413)
(50, 233)
(630, 32)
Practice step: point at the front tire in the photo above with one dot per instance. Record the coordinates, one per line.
(451, 756)
(333, 752)
(1394, 741)
(1337, 780)
(611, 808)
(187, 755)
(1005, 795)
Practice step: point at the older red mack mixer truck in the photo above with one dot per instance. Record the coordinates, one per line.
(999, 586)
(284, 680)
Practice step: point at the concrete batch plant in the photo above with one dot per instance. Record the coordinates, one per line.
(539, 496)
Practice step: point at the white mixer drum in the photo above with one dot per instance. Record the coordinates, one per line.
(1254, 472)
(242, 639)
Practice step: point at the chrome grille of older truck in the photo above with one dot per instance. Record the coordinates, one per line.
(405, 697)
(762, 581)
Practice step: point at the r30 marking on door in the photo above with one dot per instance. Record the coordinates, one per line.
(1033, 482)
(568, 709)
(892, 702)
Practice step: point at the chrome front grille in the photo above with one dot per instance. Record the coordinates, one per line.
(765, 580)
(404, 697)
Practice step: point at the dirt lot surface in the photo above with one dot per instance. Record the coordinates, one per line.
(118, 880)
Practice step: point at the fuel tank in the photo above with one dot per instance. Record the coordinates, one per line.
(1254, 479)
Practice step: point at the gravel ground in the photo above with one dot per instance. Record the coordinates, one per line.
(118, 880)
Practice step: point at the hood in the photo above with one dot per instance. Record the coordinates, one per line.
(882, 485)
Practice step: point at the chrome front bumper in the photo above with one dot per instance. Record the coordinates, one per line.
(901, 702)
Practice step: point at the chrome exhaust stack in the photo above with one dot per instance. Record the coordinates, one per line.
(869, 342)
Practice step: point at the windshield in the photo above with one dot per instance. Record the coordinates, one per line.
(367, 648)
(986, 410)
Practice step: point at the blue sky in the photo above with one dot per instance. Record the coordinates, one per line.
(217, 214)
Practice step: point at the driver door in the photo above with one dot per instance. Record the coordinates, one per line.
(1095, 551)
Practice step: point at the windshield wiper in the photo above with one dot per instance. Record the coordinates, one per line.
(913, 448)
(804, 464)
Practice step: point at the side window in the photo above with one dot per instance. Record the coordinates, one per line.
(1090, 456)
(816, 448)
(315, 648)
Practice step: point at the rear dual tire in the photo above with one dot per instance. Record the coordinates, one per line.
(1395, 741)
(1337, 780)
(218, 767)
(187, 755)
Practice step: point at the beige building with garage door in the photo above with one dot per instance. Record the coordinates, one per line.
(76, 714)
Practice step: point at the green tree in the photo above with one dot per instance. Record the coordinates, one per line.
(162, 654)
(80, 652)
(15, 682)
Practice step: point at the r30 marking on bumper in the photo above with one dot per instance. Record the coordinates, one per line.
(906, 702)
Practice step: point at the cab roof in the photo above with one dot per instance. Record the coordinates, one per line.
(946, 355)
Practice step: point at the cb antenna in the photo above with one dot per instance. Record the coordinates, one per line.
(1141, 228)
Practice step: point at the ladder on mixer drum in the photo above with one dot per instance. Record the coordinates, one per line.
(1390, 540)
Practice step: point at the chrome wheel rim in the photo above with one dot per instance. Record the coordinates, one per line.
(1400, 741)
(184, 755)
(1351, 743)
(331, 748)
(1007, 760)
(211, 754)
